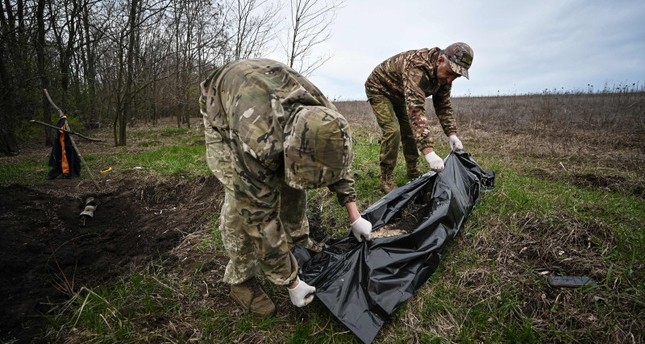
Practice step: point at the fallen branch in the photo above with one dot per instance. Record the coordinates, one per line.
(65, 130)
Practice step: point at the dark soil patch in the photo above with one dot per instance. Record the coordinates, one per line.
(595, 181)
(46, 254)
(609, 182)
(407, 220)
(563, 245)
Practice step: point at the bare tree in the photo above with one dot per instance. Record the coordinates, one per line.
(211, 39)
(310, 25)
(188, 16)
(64, 21)
(125, 60)
(15, 71)
(142, 18)
(253, 21)
(42, 72)
(91, 33)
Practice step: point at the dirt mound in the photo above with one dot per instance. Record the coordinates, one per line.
(46, 254)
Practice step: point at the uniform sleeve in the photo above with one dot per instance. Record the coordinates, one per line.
(415, 99)
(344, 190)
(443, 109)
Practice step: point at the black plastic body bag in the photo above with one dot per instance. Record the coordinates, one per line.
(363, 283)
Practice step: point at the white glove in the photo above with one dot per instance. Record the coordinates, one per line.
(435, 162)
(362, 228)
(302, 294)
(455, 143)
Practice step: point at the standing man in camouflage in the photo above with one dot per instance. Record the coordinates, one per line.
(397, 90)
(270, 135)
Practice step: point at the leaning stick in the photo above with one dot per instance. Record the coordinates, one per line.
(60, 112)
(71, 139)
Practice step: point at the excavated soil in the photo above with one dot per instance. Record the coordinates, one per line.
(46, 252)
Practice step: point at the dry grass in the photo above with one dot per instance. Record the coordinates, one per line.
(586, 139)
(492, 285)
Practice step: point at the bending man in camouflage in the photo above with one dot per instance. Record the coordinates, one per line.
(397, 90)
(271, 134)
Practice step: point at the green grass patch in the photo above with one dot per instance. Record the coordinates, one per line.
(27, 172)
(171, 160)
(490, 286)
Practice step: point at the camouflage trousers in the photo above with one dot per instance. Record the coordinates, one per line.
(259, 225)
(395, 127)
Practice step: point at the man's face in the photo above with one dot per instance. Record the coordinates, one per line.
(444, 73)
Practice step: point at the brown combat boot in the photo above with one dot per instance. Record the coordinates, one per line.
(387, 180)
(413, 171)
(252, 298)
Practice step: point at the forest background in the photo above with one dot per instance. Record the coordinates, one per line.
(117, 62)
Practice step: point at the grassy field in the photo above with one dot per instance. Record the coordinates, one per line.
(569, 200)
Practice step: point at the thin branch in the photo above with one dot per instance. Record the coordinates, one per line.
(60, 112)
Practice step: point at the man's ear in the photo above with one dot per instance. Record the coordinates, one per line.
(441, 59)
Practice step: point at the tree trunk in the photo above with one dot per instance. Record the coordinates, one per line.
(10, 52)
(42, 72)
(8, 144)
(89, 67)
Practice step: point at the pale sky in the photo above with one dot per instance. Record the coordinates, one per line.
(520, 46)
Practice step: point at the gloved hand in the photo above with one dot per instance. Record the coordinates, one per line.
(302, 294)
(435, 162)
(455, 143)
(362, 228)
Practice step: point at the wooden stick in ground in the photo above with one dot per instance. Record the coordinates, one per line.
(71, 139)
(87, 167)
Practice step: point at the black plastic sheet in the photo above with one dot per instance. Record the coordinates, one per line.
(362, 284)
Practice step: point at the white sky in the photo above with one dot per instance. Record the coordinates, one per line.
(520, 46)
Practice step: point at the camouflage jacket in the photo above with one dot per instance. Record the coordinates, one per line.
(410, 77)
(249, 102)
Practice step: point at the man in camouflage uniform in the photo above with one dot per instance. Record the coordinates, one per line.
(397, 90)
(270, 135)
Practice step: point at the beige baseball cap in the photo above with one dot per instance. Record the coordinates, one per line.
(460, 57)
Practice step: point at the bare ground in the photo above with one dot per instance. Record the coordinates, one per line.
(47, 254)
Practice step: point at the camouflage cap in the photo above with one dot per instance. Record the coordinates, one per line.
(317, 148)
(460, 57)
